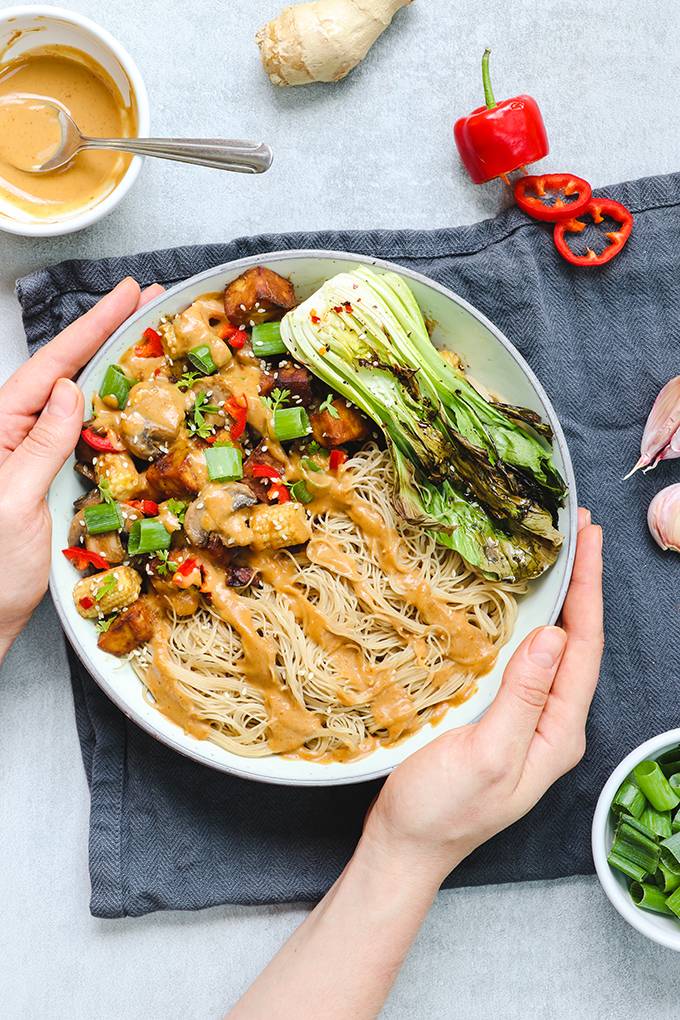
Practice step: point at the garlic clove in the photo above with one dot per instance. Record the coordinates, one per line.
(661, 436)
(663, 518)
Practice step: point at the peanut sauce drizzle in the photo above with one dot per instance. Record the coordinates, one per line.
(290, 725)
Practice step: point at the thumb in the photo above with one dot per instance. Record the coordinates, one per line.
(31, 468)
(511, 721)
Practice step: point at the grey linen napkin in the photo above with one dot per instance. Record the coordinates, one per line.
(166, 833)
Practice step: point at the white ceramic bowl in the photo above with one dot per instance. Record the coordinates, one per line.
(659, 927)
(492, 359)
(27, 27)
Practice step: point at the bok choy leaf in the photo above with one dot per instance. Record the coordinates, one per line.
(478, 474)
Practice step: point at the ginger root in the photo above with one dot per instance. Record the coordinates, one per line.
(323, 40)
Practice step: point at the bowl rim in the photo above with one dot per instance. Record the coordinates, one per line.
(96, 212)
(642, 920)
(353, 258)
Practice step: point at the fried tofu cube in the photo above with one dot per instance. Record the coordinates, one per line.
(130, 629)
(118, 469)
(258, 295)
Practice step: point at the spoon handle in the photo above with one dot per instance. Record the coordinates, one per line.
(240, 156)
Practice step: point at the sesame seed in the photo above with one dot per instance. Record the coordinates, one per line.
(242, 307)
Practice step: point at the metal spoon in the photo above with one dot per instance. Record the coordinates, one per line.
(242, 157)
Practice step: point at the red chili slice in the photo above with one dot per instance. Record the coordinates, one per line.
(264, 471)
(146, 506)
(234, 336)
(278, 491)
(86, 602)
(101, 443)
(336, 459)
(597, 209)
(239, 412)
(83, 558)
(151, 346)
(531, 193)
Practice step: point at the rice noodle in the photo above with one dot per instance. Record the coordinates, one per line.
(408, 674)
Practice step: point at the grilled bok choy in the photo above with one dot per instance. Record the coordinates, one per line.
(478, 474)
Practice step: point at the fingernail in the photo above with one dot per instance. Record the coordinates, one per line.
(584, 518)
(63, 399)
(547, 646)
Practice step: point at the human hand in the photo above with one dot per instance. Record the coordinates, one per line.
(470, 783)
(41, 414)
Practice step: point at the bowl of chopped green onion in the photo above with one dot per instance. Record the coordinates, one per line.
(636, 839)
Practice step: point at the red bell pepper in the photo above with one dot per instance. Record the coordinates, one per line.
(86, 602)
(239, 412)
(83, 558)
(264, 471)
(145, 506)
(336, 459)
(101, 443)
(567, 196)
(234, 336)
(498, 138)
(151, 346)
(597, 209)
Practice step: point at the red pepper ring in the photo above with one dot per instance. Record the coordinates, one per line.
(531, 192)
(597, 209)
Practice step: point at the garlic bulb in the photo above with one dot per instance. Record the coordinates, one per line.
(661, 437)
(663, 518)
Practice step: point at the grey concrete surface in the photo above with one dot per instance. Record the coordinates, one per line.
(375, 150)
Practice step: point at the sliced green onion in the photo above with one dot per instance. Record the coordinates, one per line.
(649, 897)
(670, 853)
(266, 340)
(148, 535)
(630, 800)
(674, 781)
(673, 902)
(675, 824)
(666, 880)
(102, 517)
(669, 762)
(636, 823)
(655, 786)
(291, 423)
(631, 843)
(633, 871)
(115, 384)
(225, 463)
(658, 821)
(301, 493)
(201, 358)
(310, 465)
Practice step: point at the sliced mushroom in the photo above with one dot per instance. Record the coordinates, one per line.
(214, 510)
(87, 499)
(107, 545)
(85, 470)
(153, 417)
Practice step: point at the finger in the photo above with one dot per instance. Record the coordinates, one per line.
(30, 469)
(26, 392)
(582, 618)
(509, 725)
(149, 294)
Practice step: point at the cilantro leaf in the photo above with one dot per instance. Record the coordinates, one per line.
(327, 405)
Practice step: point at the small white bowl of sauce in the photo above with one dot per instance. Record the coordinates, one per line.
(62, 56)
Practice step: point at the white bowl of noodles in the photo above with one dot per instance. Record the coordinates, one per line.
(507, 613)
